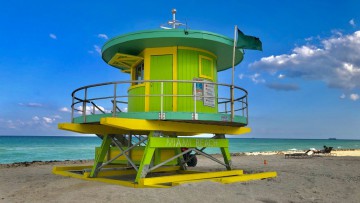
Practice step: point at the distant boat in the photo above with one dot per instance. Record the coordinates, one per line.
(332, 138)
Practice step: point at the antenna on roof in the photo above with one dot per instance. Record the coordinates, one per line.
(174, 24)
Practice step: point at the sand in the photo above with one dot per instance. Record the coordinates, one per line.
(317, 179)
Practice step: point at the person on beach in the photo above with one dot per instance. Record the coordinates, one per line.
(325, 150)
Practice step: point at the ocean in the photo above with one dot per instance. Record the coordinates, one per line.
(50, 148)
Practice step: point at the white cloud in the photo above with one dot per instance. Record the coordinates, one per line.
(309, 39)
(57, 117)
(256, 78)
(352, 23)
(52, 36)
(281, 76)
(31, 104)
(343, 96)
(354, 97)
(337, 32)
(90, 110)
(64, 109)
(36, 123)
(11, 124)
(97, 49)
(48, 120)
(336, 62)
(103, 36)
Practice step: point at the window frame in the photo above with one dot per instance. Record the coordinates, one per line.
(211, 76)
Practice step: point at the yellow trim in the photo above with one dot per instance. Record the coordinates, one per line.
(188, 177)
(148, 52)
(132, 74)
(194, 181)
(197, 49)
(248, 177)
(66, 171)
(136, 86)
(124, 60)
(126, 71)
(147, 77)
(120, 172)
(224, 177)
(169, 127)
(212, 67)
(93, 129)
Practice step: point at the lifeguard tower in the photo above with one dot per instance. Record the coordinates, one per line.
(173, 93)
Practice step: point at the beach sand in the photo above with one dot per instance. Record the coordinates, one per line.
(316, 179)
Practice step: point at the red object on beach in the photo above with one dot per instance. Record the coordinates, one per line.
(190, 159)
(265, 162)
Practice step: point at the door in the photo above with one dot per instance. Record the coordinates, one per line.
(161, 68)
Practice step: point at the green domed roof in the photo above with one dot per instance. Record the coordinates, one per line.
(134, 43)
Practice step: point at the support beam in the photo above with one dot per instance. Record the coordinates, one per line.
(99, 159)
(225, 152)
(146, 160)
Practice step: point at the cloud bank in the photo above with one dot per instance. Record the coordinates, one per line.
(35, 124)
(336, 62)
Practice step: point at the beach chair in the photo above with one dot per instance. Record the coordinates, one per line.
(307, 154)
(324, 152)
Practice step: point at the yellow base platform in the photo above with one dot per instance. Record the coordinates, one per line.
(162, 177)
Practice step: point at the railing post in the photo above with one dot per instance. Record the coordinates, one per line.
(247, 110)
(114, 103)
(84, 106)
(232, 102)
(161, 101)
(195, 99)
(72, 109)
(242, 107)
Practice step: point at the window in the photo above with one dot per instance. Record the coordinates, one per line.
(139, 73)
(206, 67)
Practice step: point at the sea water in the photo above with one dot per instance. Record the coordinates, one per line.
(49, 148)
(46, 148)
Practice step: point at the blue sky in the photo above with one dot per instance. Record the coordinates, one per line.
(304, 84)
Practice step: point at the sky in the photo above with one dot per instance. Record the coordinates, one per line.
(304, 84)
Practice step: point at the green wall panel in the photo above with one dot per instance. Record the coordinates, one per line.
(188, 69)
(161, 68)
(136, 104)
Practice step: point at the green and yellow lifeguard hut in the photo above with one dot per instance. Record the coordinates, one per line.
(173, 93)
